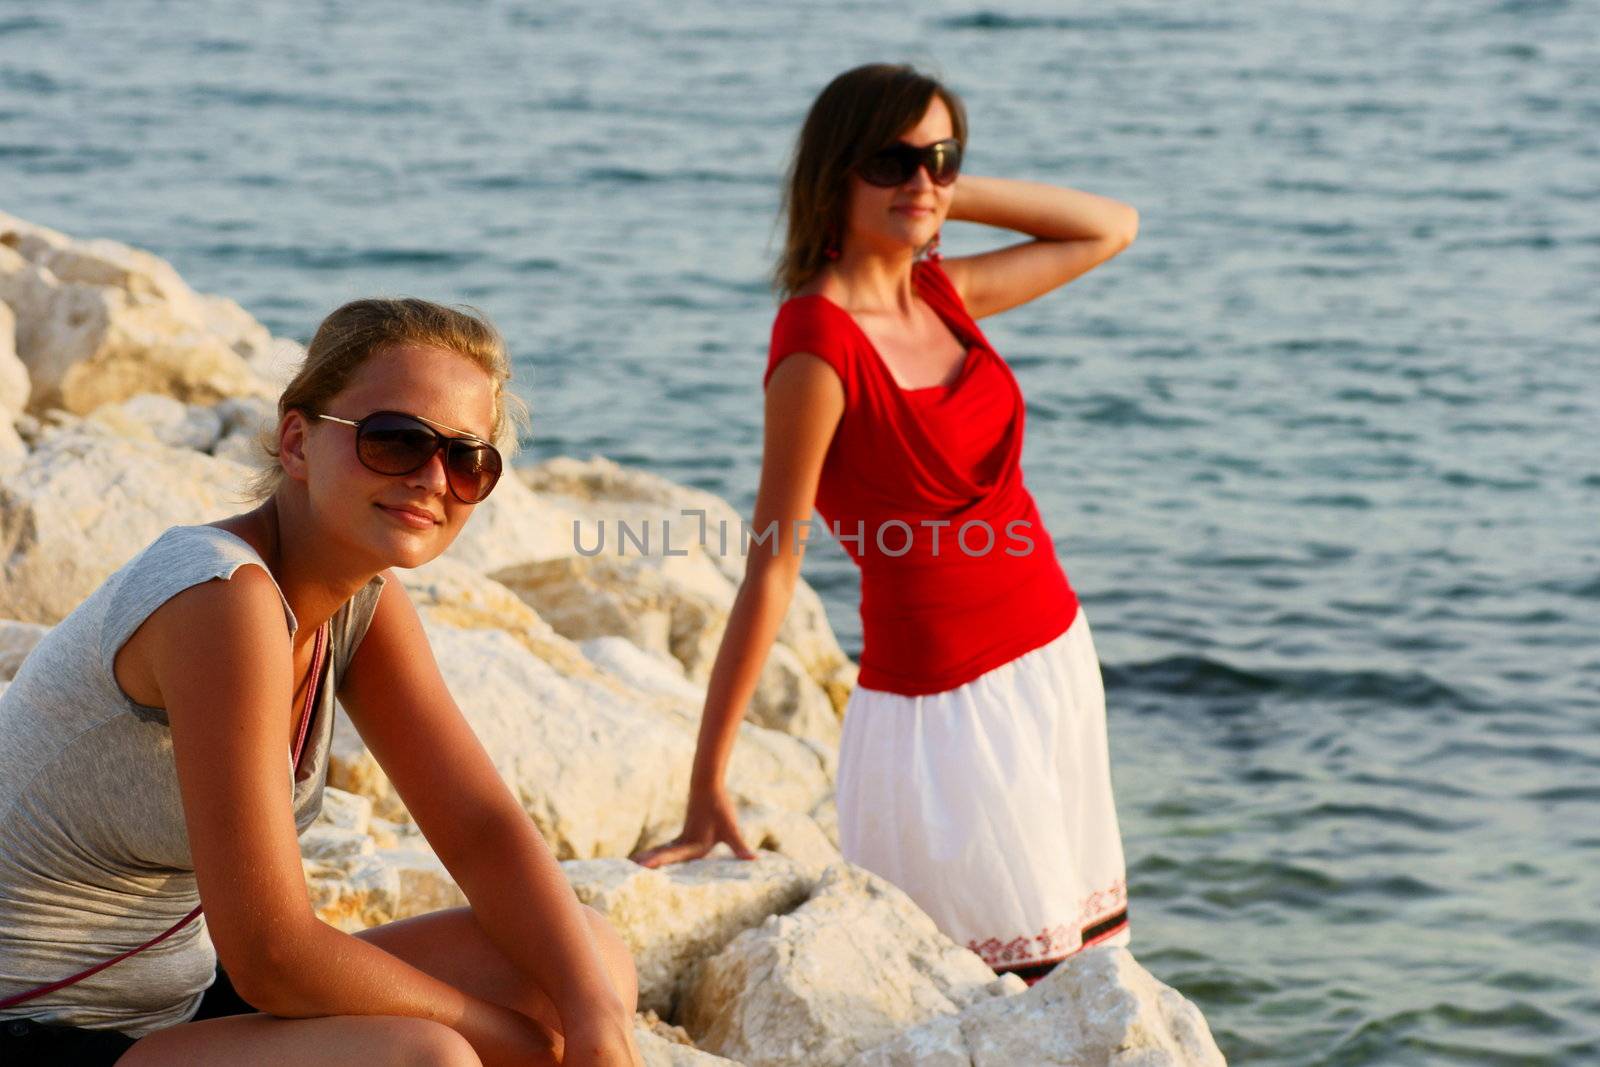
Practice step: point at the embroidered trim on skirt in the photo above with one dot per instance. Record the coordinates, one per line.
(990, 804)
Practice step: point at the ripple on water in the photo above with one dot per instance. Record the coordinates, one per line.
(311, 103)
(1514, 1032)
(1200, 677)
(1385, 815)
(15, 27)
(994, 21)
(348, 259)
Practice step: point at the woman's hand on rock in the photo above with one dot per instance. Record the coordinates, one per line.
(711, 819)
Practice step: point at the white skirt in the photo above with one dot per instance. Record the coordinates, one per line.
(990, 804)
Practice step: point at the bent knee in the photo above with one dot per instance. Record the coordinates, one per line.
(618, 957)
(425, 1043)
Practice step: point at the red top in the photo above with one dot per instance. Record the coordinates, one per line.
(923, 487)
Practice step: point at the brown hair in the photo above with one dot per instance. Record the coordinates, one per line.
(860, 111)
(369, 329)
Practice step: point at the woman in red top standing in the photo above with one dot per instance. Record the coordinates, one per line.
(973, 768)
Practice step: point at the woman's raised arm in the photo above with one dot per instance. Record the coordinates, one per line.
(804, 403)
(1073, 232)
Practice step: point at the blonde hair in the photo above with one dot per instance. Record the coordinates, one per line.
(370, 329)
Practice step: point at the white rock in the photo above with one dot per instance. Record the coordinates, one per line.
(657, 1051)
(98, 322)
(595, 765)
(112, 264)
(512, 526)
(587, 598)
(154, 417)
(345, 811)
(826, 816)
(425, 884)
(598, 489)
(355, 887)
(387, 833)
(354, 895)
(25, 239)
(14, 383)
(1099, 1007)
(277, 363)
(241, 449)
(332, 844)
(16, 641)
(13, 449)
(83, 505)
(767, 768)
(938, 1043)
(670, 607)
(98, 262)
(789, 701)
(237, 328)
(85, 346)
(791, 834)
(846, 971)
(674, 917)
(648, 672)
(451, 593)
(248, 415)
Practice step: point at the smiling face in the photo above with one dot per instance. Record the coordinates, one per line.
(907, 216)
(390, 520)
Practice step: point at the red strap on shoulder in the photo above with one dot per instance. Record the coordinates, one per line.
(312, 679)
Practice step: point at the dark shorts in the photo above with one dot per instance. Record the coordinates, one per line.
(24, 1043)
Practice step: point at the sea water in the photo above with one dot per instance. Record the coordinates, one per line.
(1319, 451)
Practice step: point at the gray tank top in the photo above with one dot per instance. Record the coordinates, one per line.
(94, 854)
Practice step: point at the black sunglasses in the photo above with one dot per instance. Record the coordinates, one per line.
(896, 164)
(392, 442)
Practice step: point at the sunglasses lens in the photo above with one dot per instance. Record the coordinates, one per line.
(395, 444)
(944, 162)
(890, 167)
(472, 470)
(896, 164)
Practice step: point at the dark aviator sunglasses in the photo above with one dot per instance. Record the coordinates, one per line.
(896, 164)
(394, 443)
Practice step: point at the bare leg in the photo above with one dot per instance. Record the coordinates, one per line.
(451, 946)
(332, 1041)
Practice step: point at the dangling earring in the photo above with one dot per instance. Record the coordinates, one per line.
(832, 251)
(931, 250)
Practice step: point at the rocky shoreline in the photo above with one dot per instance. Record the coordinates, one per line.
(128, 403)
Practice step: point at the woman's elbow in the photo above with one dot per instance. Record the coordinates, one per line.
(1130, 228)
(269, 974)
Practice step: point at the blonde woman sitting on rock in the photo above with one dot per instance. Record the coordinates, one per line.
(164, 745)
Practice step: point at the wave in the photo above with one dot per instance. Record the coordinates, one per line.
(995, 21)
(1201, 676)
(342, 258)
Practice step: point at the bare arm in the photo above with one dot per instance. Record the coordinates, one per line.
(1073, 232)
(398, 701)
(804, 403)
(221, 659)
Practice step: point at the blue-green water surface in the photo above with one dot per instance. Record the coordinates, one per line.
(1320, 451)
